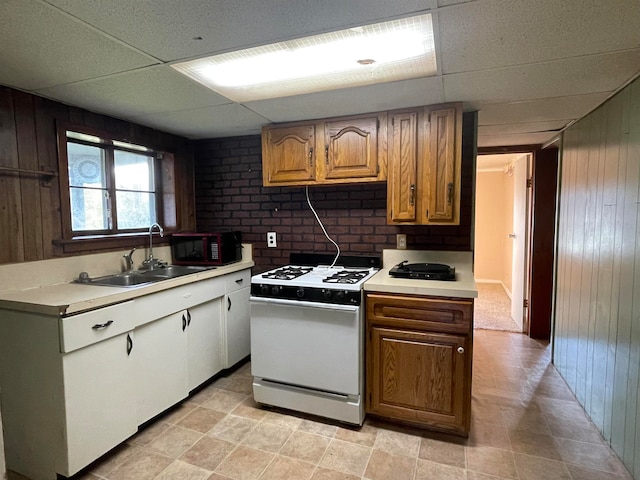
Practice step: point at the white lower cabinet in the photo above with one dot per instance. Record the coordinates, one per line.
(159, 352)
(205, 345)
(237, 334)
(109, 370)
(99, 393)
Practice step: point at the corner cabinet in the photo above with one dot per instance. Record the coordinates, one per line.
(329, 151)
(424, 164)
(418, 360)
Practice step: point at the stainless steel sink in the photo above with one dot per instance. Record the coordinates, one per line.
(140, 278)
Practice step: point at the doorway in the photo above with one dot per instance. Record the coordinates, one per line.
(501, 245)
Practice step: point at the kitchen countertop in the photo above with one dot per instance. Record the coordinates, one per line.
(69, 298)
(463, 287)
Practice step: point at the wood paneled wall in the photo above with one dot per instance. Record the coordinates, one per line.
(30, 208)
(597, 307)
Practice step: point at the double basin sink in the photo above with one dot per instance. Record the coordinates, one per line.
(142, 277)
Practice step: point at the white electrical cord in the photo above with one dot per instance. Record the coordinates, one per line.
(322, 226)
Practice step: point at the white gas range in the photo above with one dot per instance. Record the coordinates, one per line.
(307, 336)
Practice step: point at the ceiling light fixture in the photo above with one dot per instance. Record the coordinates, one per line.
(384, 52)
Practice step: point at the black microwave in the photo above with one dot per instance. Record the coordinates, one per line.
(217, 248)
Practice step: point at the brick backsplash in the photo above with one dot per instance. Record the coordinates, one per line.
(230, 195)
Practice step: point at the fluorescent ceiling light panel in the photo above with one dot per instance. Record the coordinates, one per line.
(384, 52)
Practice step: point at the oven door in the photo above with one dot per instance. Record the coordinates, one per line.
(307, 344)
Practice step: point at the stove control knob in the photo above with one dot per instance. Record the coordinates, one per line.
(300, 292)
(340, 294)
(264, 289)
(326, 293)
(275, 290)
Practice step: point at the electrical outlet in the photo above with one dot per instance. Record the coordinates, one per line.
(271, 240)
(401, 241)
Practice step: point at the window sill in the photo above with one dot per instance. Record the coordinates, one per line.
(98, 243)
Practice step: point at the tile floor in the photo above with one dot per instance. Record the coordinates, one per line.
(526, 425)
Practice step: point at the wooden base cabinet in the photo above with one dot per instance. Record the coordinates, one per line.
(418, 357)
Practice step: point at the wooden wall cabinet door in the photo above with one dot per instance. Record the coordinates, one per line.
(288, 155)
(424, 166)
(404, 154)
(443, 165)
(351, 148)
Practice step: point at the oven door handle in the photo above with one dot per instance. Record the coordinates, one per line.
(302, 303)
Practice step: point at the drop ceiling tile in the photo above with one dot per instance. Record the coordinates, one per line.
(42, 47)
(167, 29)
(149, 90)
(573, 76)
(547, 109)
(516, 139)
(495, 33)
(348, 101)
(207, 122)
(513, 128)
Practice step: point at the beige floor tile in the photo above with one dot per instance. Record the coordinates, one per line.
(140, 466)
(178, 470)
(581, 473)
(386, 466)
(346, 457)
(175, 441)
(397, 442)
(113, 459)
(249, 411)
(149, 433)
(480, 476)
(489, 435)
(268, 437)
(487, 413)
(232, 428)
(203, 395)
(446, 451)
(531, 443)
(492, 461)
(216, 476)
(244, 463)
(525, 419)
(282, 468)
(306, 446)
(201, 420)
(574, 427)
(426, 470)
(596, 457)
(177, 413)
(208, 453)
(365, 435)
(317, 427)
(240, 384)
(536, 468)
(327, 474)
(223, 401)
(282, 419)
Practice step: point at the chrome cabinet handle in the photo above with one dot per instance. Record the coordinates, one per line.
(412, 198)
(311, 157)
(100, 326)
(326, 154)
(460, 349)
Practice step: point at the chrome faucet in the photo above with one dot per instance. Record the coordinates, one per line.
(128, 258)
(150, 263)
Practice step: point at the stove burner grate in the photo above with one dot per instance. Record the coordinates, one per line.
(346, 276)
(287, 273)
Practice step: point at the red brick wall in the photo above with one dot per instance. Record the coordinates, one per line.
(230, 195)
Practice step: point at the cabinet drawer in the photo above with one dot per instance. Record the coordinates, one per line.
(161, 304)
(423, 313)
(91, 327)
(237, 280)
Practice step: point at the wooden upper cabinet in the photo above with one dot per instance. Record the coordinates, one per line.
(288, 155)
(338, 150)
(351, 148)
(425, 165)
(443, 171)
(403, 167)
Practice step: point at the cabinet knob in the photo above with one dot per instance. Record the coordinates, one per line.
(460, 349)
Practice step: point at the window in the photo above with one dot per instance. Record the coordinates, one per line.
(110, 187)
